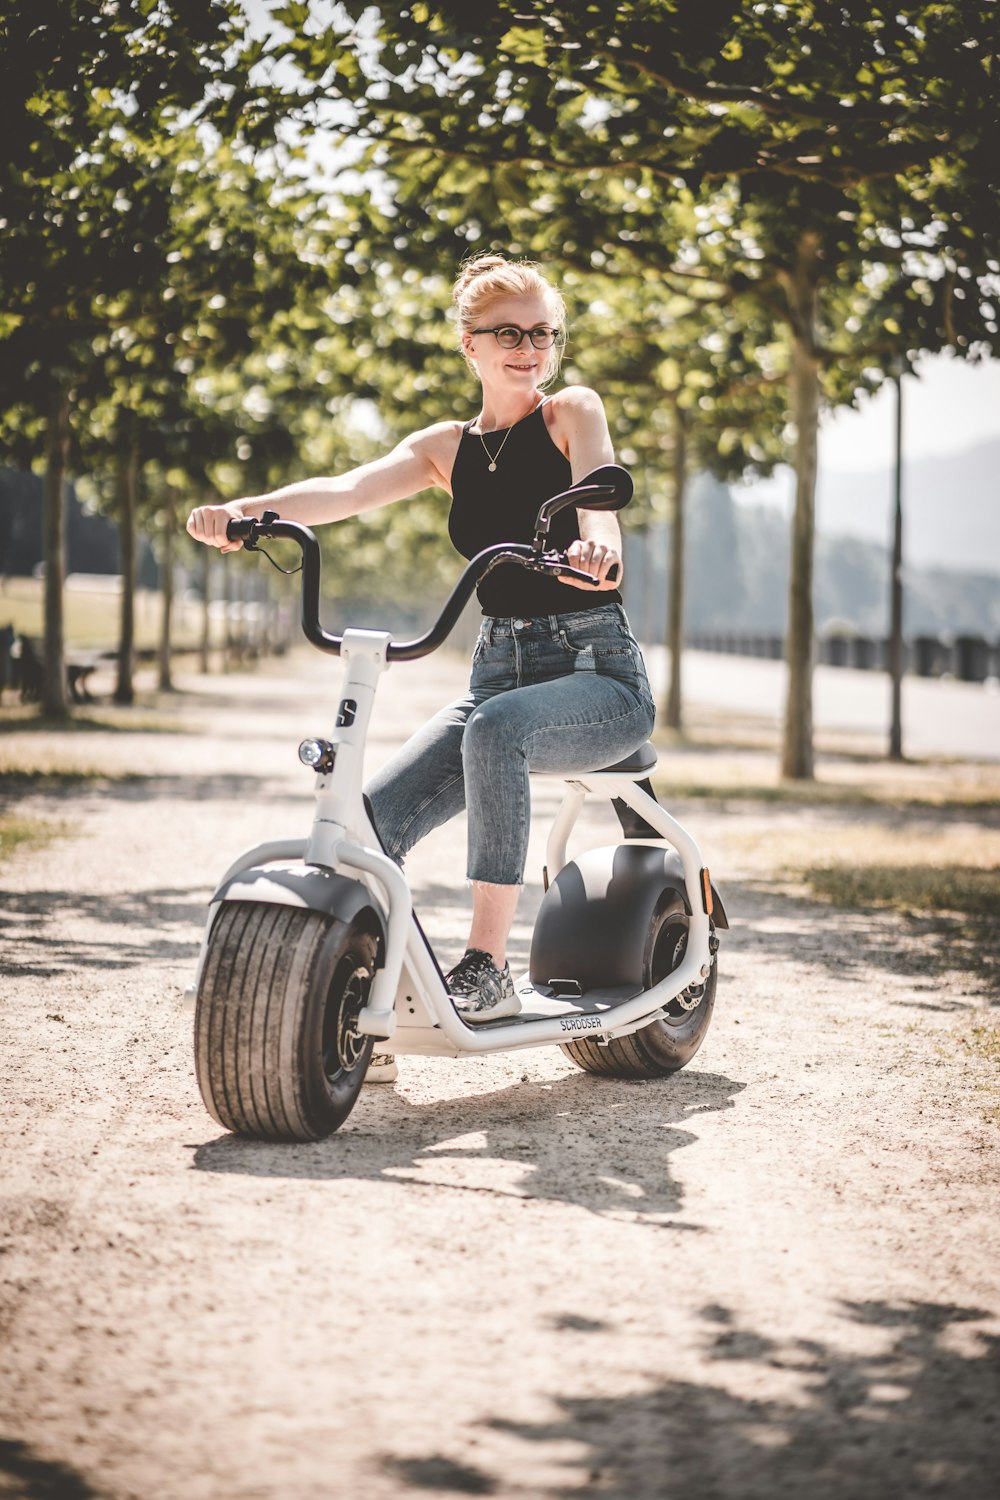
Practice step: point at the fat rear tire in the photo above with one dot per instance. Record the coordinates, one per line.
(664, 1046)
(277, 1052)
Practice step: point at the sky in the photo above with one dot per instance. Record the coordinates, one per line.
(948, 407)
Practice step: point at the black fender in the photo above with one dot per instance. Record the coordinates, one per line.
(311, 887)
(594, 919)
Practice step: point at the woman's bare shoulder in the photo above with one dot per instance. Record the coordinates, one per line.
(576, 398)
(575, 407)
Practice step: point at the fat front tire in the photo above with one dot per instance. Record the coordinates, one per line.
(277, 1050)
(664, 1046)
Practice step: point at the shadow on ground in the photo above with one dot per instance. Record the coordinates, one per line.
(620, 1154)
(914, 1418)
(128, 927)
(950, 958)
(25, 1476)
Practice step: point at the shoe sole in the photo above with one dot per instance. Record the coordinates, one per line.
(382, 1075)
(499, 1012)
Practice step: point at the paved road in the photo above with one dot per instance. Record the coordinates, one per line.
(940, 718)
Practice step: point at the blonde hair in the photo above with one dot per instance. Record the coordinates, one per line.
(485, 278)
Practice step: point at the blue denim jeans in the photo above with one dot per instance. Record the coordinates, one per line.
(563, 692)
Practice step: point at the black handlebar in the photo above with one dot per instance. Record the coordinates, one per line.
(612, 490)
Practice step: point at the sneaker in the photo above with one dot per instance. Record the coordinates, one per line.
(382, 1068)
(481, 991)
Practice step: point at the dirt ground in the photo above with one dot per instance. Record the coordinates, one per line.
(773, 1275)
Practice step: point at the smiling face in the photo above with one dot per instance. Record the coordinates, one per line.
(510, 371)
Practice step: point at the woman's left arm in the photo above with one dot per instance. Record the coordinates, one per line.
(582, 425)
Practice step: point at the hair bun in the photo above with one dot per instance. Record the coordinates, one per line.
(478, 265)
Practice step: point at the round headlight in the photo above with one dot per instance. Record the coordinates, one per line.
(317, 753)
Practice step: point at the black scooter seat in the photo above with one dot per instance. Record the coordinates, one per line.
(639, 763)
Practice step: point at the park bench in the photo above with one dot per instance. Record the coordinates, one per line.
(22, 668)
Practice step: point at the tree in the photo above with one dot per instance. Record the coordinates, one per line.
(88, 92)
(825, 148)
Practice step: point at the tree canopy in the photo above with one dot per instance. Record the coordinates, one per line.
(772, 204)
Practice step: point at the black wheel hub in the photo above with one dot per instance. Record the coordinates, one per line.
(344, 1045)
(671, 945)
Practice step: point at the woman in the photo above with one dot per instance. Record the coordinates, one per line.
(557, 682)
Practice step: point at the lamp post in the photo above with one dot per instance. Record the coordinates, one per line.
(896, 587)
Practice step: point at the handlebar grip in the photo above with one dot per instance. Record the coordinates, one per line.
(240, 528)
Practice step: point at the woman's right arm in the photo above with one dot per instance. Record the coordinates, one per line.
(418, 462)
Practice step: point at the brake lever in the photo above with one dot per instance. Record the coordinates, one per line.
(556, 564)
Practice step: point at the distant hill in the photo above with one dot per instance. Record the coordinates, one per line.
(737, 562)
(951, 508)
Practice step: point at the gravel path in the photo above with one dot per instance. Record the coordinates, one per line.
(774, 1274)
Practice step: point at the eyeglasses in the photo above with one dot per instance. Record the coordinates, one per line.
(509, 336)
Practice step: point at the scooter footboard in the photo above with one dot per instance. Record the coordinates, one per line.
(596, 919)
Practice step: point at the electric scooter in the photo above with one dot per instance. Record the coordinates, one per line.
(313, 952)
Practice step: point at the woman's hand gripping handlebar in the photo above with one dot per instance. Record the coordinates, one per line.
(607, 488)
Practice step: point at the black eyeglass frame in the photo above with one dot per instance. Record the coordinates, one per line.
(557, 335)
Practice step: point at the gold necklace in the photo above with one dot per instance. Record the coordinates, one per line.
(494, 456)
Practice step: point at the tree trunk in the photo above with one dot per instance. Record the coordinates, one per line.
(205, 647)
(126, 469)
(896, 592)
(797, 752)
(55, 698)
(675, 608)
(167, 595)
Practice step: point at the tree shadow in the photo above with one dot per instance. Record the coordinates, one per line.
(41, 919)
(141, 786)
(914, 1418)
(953, 959)
(28, 1477)
(576, 1140)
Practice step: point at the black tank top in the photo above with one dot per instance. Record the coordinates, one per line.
(501, 507)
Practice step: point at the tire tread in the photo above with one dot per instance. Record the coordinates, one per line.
(260, 968)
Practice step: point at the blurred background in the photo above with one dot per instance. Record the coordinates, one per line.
(230, 231)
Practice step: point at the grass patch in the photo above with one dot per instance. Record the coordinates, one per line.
(826, 794)
(91, 615)
(44, 778)
(914, 889)
(38, 752)
(25, 719)
(939, 877)
(984, 1042)
(952, 910)
(26, 833)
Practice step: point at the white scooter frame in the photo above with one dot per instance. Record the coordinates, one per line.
(341, 864)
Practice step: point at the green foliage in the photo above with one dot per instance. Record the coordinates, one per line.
(604, 135)
(169, 261)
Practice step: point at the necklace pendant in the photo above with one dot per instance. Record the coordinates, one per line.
(493, 468)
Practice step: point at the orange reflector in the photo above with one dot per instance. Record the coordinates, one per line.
(706, 891)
